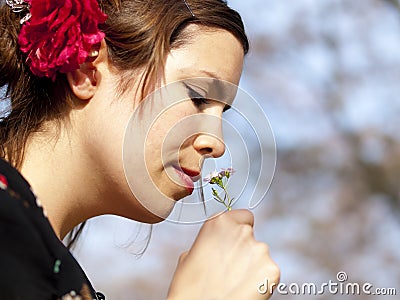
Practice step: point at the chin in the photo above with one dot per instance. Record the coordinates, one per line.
(160, 213)
(153, 219)
(156, 206)
(146, 216)
(156, 212)
(180, 195)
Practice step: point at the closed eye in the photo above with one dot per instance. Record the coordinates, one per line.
(197, 98)
(199, 101)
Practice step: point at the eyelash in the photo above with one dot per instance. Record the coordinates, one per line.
(198, 101)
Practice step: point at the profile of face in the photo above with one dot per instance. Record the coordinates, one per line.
(174, 129)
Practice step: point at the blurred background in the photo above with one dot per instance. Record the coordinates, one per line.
(327, 74)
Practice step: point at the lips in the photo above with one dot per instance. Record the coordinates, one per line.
(188, 177)
(190, 173)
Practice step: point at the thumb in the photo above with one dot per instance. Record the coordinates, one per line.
(238, 216)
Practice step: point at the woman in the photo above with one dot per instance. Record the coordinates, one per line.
(75, 72)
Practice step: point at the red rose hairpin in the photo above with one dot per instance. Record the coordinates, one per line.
(58, 35)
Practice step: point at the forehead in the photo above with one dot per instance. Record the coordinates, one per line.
(209, 52)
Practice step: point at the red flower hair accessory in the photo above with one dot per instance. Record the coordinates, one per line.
(60, 34)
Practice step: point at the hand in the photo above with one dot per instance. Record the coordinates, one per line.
(224, 262)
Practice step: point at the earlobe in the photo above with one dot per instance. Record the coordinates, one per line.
(83, 81)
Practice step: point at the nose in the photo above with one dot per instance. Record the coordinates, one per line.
(209, 145)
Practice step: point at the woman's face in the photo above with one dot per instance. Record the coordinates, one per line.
(167, 139)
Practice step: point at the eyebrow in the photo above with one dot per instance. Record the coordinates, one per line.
(210, 74)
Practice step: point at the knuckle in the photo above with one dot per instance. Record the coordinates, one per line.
(248, 214)
(244, 216)
(270, 267)
(262, 248)
(275, 271)
(245, 231)
(183, 256)
(277, 274)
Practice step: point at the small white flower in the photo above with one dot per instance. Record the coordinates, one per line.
(211, 176)
(214, 174)
(220, 179)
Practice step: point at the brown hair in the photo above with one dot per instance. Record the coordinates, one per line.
(139, 33)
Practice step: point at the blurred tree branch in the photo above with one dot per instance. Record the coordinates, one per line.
(395, 3)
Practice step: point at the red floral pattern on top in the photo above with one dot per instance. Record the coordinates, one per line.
(3, 182)
(60, 34)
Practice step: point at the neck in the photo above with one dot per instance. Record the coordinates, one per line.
(59, 178)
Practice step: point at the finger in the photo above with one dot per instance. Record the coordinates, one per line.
(241, 216)
(182, 257)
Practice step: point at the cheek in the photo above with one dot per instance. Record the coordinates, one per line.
(154, 144)
(153, 149)
(166, 125)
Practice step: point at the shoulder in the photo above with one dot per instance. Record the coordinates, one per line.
(34, 264)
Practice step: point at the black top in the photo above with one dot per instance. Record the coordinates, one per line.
(34, 263)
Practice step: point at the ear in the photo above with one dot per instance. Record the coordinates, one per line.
(83, 81)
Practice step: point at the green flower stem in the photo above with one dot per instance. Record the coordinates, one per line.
(229, 205)
(219, 198)
(221, 179)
